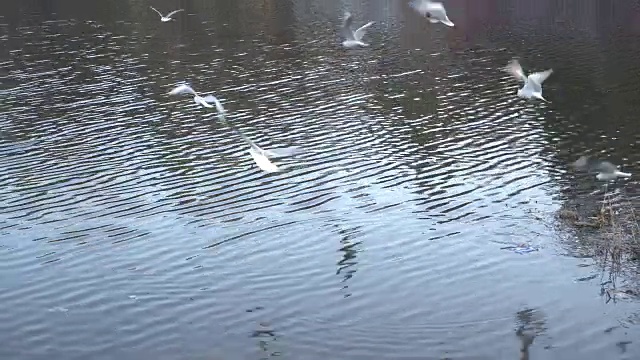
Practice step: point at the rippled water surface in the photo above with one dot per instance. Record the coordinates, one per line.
(135, 225)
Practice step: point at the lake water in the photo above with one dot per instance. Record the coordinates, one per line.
(134, 225)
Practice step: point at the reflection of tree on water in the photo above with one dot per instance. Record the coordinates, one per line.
(529, 324)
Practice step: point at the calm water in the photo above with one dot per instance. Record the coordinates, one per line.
(136, 226)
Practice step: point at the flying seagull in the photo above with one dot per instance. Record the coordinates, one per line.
(186, 89)
(532, 84)
(168, 17)
(434, 11)
(259, 156)
(353, 38)
(605, 170)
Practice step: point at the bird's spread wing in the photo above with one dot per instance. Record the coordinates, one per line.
(260, 157)
(218, 104)
(154, 9)
(358, 34)
(515, 70)
(605, 167)
(540, 77)
(174, 12)
(182, 89)
(284, 152)
(581, 163)
(437, 11)
(346, 25)
(435, 8)
(421, 6)
(201, 101)
(262, 161)
(447, 22)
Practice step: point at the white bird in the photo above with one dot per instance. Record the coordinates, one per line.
(186, 89)
(606, 171)
(532, 84)
(260, 158)
(434, 11)
(259, 155)
(353, 38)
(168, 17)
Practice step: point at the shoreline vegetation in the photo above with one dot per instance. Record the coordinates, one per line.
(613, 230)
(610, 234)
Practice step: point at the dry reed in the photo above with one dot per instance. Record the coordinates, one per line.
(617, 229)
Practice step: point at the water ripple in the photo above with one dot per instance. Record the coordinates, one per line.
(136, 224)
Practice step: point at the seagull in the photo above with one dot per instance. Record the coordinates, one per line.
(532, 84)
(434, 11)
(606, 171)
(168, 17)
(260, 156)
(353, 38)
(186, 89)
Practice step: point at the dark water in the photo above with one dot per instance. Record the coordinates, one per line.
(136, 226)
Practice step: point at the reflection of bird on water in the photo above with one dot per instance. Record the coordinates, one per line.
(526, 340)
(605, 170)
(530, 323)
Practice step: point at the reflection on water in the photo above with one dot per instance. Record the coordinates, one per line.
(530, 323)
(136, 225)
(347, 265)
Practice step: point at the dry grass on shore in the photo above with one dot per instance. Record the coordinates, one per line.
(617, 231)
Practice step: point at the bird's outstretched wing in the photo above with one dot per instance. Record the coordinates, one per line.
(515, 70)
(262, 160)
(284, 152)
(435, 8)
(218, 104)
(605, 167)
(540, 77)
(154, 9)
(346, 26)
(182, 89)
(174, 12)
(421, 6)
(358, 34)
(258, 154)
(441, 14)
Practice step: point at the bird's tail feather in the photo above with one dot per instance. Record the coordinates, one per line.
(622, 174)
